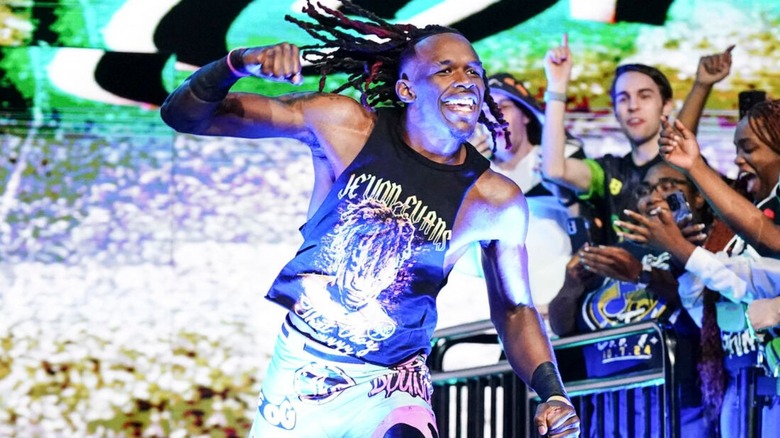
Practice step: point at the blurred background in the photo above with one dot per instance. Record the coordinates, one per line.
(134, 260)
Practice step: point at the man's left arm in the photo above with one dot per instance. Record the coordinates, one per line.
(519, 325)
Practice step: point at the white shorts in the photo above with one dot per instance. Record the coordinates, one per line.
(311, 390)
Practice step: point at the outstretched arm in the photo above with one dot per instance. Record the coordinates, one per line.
(679, 148)
(711, 70)
(568, 172)
(203, 105)
(519, 326)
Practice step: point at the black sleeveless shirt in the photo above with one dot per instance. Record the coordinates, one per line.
(366, 278)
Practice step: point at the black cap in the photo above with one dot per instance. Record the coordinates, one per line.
(507, 84)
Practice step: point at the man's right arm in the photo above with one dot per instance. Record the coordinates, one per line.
(203, 105)
(572, 173)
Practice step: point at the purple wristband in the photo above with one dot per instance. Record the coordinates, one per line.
(230, 64)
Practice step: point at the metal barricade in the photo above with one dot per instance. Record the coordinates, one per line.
(490, 401)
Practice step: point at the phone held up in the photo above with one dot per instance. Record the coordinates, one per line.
(579, 229)
(681, 210)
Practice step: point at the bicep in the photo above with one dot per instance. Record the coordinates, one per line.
(256, 116)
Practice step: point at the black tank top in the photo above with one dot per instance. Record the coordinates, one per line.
(366, 278)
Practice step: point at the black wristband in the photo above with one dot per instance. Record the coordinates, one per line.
(212, 82)
(547, 382)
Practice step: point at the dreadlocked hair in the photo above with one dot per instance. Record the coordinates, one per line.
(710, 366)
(372, 67)
(500, 122)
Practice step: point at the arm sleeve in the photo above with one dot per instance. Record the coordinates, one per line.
(596, 189)
(741, 278)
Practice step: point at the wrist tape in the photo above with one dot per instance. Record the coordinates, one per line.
(547, 382)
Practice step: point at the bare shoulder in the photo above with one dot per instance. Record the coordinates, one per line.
(496, 208)
(339, 127)
(327, 110)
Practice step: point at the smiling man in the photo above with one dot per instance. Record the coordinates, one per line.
(398, 197)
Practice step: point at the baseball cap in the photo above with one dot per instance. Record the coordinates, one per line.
(507, 84)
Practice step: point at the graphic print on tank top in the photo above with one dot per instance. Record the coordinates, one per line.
(366, 254)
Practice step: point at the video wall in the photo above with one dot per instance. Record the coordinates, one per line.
(134, 261)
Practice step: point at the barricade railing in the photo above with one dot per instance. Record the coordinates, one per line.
(490, 401)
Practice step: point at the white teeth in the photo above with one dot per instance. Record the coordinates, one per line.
(461, 101)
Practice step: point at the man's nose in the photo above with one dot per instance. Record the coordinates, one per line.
(633, 104)
(462, 79)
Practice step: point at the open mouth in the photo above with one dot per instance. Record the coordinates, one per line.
(749, 182)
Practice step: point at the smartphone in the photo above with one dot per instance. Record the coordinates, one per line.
(681, 210)
(579, 230)
(749, 98)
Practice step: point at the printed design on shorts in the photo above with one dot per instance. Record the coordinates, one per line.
(281, 415)
(412, 378)
(368, 257)
(318, 383)
(618, 303)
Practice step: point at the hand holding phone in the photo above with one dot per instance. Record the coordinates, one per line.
(681, 210)
(578, 228)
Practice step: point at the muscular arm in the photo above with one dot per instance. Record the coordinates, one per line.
(519, 326)
(517, 322)
(204, 105)
(505, 263)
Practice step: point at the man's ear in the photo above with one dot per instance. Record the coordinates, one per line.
(668, 107)
(404, 91)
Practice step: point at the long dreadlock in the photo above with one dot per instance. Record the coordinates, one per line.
(372, 67)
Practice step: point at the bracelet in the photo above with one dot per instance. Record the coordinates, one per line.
(554, 95)
(233, 69)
